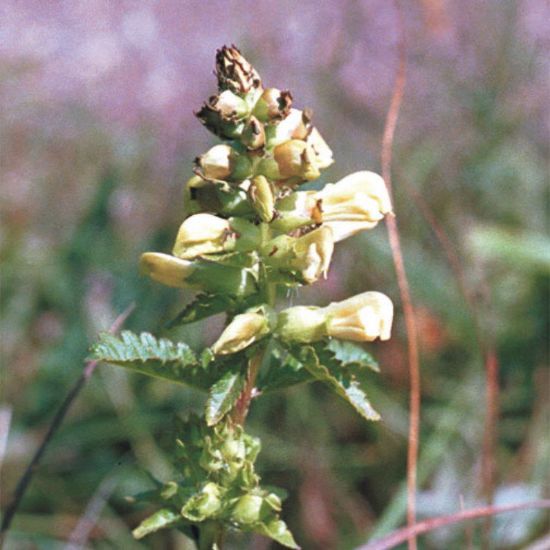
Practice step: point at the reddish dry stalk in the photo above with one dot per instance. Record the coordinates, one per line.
(490, 358)
(408, 310)
(397, 537)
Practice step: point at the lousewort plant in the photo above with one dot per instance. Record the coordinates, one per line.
(248, 230)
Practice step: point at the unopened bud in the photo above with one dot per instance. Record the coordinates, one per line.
(203, 234)
(296, 125)
(253, 135)
(222, 114)
(261, 197)
(199, 275)
(244, 330)
(165, 269)
(296, 159)
(223, 163)
(273, 105)
(216, 163)
(204, 504)
(361, 318)
(234, 72)
(248, 509)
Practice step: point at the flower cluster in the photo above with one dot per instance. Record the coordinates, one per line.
(219, 484)
(248, 227)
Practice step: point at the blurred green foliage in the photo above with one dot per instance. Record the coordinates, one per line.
(83, 201)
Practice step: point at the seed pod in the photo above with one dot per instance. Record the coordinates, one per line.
(273, 105)
(260, 195)
(234, 72)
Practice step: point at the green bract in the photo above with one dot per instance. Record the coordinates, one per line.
(246, 230)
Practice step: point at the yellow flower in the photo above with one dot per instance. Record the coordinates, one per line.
(361, 318)
(355, 203)
(202, 234)
(244, 329)
(166, 269)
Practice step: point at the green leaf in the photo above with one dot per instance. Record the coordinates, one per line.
(203, 306)
(159, 358)
(159, 520)
(351, 354)
(278, 531)
(223, 395)
(343, 381)
(284, 370)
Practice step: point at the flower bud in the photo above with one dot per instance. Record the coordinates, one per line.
(242, 331)
(230, 106)
(165, 269)
(253, 136)
(261, 197)
(222, 114)
(302, 324)
(199, 275)
(355, 203)
(248, 509)
(216, 163)
(361, 318)
(307, 256)
(273, 105)
(222, 163)
(296, 159)
(296, 125)
(234, 72)
(204, 504)
(323, 153)
(203, 234)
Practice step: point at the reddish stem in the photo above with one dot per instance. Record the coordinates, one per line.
(402, 281)
(397, 537)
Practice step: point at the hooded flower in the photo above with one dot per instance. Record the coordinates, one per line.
(355, 203)
(361, 318)
(309, 255)
(242, 331)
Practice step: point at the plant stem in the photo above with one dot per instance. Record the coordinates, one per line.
(402, 281)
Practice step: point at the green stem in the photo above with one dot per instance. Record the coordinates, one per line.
(268, 290)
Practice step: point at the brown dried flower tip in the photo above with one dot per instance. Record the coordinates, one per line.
(234, 72)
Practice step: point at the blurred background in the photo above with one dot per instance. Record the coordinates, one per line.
(97, 137)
